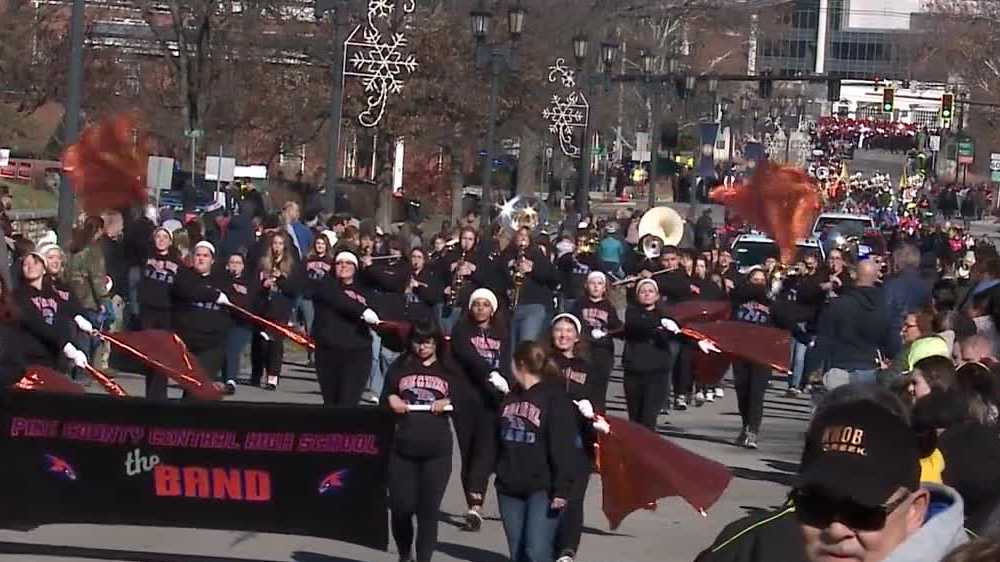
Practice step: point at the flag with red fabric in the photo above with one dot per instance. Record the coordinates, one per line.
(165, 353)
(699, 311)
(107, 166)
(710, 368)
(638, 467)
(763, 345)
(45, 379)
(782, 201)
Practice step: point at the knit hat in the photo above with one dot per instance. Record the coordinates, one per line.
(572, 319)
(597, 275)
(646, 282)
(485, 294)
(207, 245)
(349, 257)
(930, 346)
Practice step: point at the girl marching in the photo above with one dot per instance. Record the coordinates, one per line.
(158, 276)
(648, 331)
(281, 283)
(601, 324)
(420, 462)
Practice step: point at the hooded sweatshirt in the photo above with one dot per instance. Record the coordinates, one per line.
(853, 329)
(941, 532)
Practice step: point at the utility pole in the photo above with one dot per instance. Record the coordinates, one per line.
(67, 202)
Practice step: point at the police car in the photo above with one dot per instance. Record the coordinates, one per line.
(849, 226)
(754, 248)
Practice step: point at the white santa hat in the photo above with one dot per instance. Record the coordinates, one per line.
(598, 276)
(331, 237)
(348, 257)
(646, 282)
(484, 294)
(571, 319)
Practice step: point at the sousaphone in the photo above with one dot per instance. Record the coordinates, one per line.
(659, 227)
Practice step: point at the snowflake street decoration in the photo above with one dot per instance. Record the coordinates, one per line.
(378, 59)
(558, 71)
(565, 114)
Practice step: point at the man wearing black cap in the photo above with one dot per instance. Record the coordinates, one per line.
(859, 495)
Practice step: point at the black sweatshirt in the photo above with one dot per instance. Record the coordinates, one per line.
(600, 315)
(157, 282)
(478, 352)
(316, 270)
(419, 303)
(199, 320)
(487, 274)
(44, 323)
(646, 342)
(12, 363)
(420, 434)
(338, 322)
(539, 440)
(276, 303)
(576, 377)
(573, 271)
(538, 283)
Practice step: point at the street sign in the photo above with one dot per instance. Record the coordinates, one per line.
(641, 153)
(219, 169)
(966, 151)
(194, 134)
(995, 176)
(995, 161)
(934, 143)
(159, 173)
(4, 157)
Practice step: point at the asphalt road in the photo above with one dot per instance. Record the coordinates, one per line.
(674, 532)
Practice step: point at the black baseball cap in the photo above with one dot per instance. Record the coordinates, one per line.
(860, 452)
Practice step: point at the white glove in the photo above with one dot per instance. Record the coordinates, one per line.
(370, 316)
(70, 351)
(601, 425)
(499, 382)
(708, 346)
(264, 336)
(83, 324)
(670, 326)
(598, 333)
(222, 299)
(585, 407)
(79, 360)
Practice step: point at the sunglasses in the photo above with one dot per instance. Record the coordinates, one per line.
(818, 511)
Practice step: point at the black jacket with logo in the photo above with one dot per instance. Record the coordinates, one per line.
(199, 320)
(539, 283)
(45, 320)
(647, 344)
(421, 434)
(539, 442)
(156, 285)
(600, 315)
(338, 322)
(478, 352)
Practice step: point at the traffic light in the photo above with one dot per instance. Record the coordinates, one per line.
(833, 90)
(888, 100)
(765, 85)
(947, 106)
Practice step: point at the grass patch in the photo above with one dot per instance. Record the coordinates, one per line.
(27, 198)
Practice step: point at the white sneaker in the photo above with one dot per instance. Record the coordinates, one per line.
(565, 559)
(709, 396)
(718, 392)
(369, 397)
(699, 398)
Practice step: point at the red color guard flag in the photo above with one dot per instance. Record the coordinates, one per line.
(699, 311)
(107, 166)
(45, 379)
(639, 467)
(167, 354)
(763, 345)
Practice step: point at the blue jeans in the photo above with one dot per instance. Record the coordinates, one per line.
(799, 350)
(376, 376)
(237, 339)
(528, 322)
(87, 343)
(308, 314)
(448, 322)
(530, 526)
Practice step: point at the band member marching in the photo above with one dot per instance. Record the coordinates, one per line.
(480, 345)
(155, 288)
(281, 282)
(539, 457)
(342, 334)
(570, 355)
(531, 279)
(420, 462)
(648, 335)
(602, 324)
(574, 268)
(423, 290)
(202, 322)
(318, 264)
(241, 288)
(464, 269)
(44, 318)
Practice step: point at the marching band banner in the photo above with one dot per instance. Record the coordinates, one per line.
(278, 468)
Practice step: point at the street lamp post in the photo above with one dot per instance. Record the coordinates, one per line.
(581, 48)
(67, 203)
(339, 9)
(497, 59)
(648, 61)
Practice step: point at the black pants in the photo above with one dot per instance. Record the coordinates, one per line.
(476, 430)
(683, 379)
(645, 393)
(266, 356)
(602, 360)
(342, 374)
(750, 381)
(155, 319)
(571, 523)
(416, 488)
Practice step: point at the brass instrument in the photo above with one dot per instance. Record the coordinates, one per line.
(659, 227)
(517, 278)
(458, 280)
(592, 241)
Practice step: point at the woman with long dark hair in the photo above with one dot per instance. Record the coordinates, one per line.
(12, 362)
(420, 390)
(480, 344)
(44, 318)
(423, 291)
(281, 283)
(318, 265)
(538, 458)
